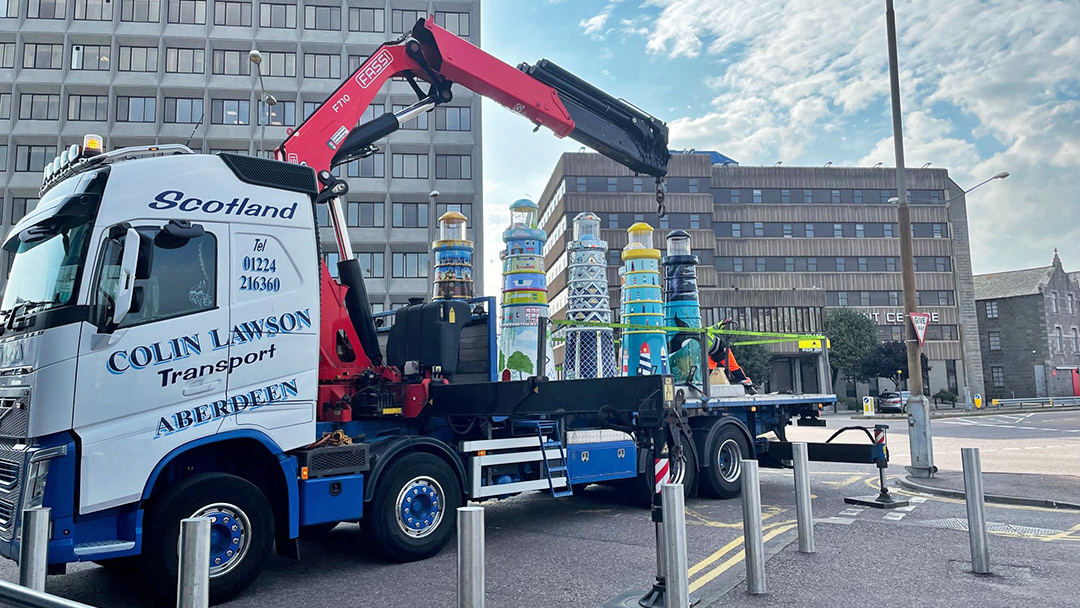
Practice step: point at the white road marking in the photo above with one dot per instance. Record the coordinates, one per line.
(907, 509)
(919, 499)
(851, 512)
(843, 521)
(894, 516)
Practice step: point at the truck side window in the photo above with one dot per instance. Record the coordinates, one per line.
(182, 281)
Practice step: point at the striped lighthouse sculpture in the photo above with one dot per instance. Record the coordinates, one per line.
(524, 299)
(644, 348)
(590, 351)
(681, 308)
(453, 259)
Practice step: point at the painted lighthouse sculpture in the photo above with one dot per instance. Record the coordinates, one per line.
(524, 295)
(681, 307)
(453, 259)
(590, 351)
(644, 346)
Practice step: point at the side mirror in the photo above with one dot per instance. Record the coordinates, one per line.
(125, 287)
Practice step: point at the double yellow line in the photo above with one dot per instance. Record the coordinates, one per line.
(772, 531)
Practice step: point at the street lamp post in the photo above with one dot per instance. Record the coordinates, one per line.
(265, 99)
(920, 437)
(1001, 175)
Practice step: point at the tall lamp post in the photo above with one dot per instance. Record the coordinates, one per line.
(264, 98)
(1001, 175)
(920, 437)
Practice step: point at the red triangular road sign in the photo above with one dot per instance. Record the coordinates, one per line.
(919, 321)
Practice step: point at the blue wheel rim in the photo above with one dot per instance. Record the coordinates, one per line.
(420, 507)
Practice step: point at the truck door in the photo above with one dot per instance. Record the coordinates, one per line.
(157, 379)
(273, 353)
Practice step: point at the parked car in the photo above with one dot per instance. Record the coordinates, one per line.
(893, 402)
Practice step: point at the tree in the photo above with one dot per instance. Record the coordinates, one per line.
(888, 359)
(754, 360)
(518, 362)
(853, 336)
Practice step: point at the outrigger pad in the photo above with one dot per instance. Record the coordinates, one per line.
(882, 500)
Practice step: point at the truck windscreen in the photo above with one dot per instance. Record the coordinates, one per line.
(50, 247)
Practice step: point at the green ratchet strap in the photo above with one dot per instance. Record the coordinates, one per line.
(766, 337)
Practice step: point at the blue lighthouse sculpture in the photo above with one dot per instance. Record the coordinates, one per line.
(590, 351)
(524, 299)
(644, 346)
(681, 307)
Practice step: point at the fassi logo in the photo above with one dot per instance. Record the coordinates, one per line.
(375, 66)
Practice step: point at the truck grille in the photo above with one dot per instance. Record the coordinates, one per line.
(14, 412)
(11, 464)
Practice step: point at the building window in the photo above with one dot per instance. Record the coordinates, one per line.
(858, 196)
(33, 158)
(322, 17)
(938, 230)
(39, 106)
(455, 23)
(230, 112)
(789, 264)
(992, 309)
(277, 16)
(402, 21)
(279, 64)
(759, 229)
(841, 264)
(453, 166)
(182, 110)
(372, 264)
(410, 166)
(1069, 303)
(838, 231)
(318, 65)
(787, 231)
(462, 208)
(410, 265)
(810, 231)
(692, 186)
(281, 114)
(365, 215)
(355, 61)
(9, 9)
(695, 220)
(807, 196)
(192, 12)
(941, 264)
(88, 107)
(1075, 334)
(862, 264)
(888, 231)
(7, 55)
(1053, 302)
(232, 63)
(894, 298)
(93, 10)
(3, 158)
(43, 56)
(785, 196)
(760, 265)
(90, 57)
(230, 12)
(612, 184)
(841, 298)
(665, 222)
(366, 19)
(734, 195)
(993, 339)
(185, 61)
(138, 59)
(449, 118)
(998, 374)
(410, 215)
(142, 11)
(836, 197)
(736, 230)
(19, 207)
(890, 264)
(371, 166)
(1060, 339)
(136, 109)
(757, 196)
(417, 123)
(738, 264)
(47, 9)
(860, 230)
(864, 298)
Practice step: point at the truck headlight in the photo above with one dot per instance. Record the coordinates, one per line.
(34, 490)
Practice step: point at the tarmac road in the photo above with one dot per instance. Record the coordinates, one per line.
(590, 548)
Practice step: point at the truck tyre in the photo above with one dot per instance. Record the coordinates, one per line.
(414, 511)
(723, 477)
(241, 533)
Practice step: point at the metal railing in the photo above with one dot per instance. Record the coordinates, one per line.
(1034, 402)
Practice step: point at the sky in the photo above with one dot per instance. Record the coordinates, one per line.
(986, 86)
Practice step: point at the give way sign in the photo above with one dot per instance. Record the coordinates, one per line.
(919, 320)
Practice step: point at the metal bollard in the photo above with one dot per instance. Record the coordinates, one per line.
(803, 509)
(677, 578)
(470, 557)
(751, 512)
(193, 574)
(973, 497)
(34, 551)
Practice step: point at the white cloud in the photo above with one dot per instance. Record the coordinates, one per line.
(988, 85)
(594, 26)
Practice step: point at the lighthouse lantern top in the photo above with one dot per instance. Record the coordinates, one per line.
(678, 243)
(452, 226)
(523, 213)
(640, 236)
(586, 226)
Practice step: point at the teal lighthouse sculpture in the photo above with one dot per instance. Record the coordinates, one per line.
(644, 346)
(590, 351)
(681, 307)
(524, 299)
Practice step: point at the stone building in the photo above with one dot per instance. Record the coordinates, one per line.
(144, 72)
(1029, 332)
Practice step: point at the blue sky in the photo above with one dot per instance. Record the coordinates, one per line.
(987, 86)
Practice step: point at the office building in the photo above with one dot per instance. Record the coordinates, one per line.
(145, 72)
(1029, 332)
(778, 245)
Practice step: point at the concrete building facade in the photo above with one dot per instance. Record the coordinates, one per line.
(144, 72)
(778, 245)
(1029, 332)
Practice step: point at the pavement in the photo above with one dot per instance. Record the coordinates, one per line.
(1053, 491)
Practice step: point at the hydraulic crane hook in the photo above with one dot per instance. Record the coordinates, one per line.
(661, 194)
